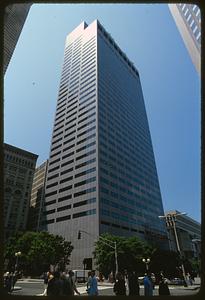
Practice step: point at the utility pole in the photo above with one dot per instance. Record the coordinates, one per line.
(106, 242)
(116, 262)
(171, 222)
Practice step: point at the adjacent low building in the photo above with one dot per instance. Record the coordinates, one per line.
(37, 198)
(19, 167)
(188, 232)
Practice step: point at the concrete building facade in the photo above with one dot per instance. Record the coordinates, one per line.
(36, 216)
(188, 21)
(19, 167)
(14, 19)
(101, 175)
(188, 233)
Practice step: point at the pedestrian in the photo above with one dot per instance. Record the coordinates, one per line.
(72, 282)
(163, 287)
(153, 280)
(66, 285)
(126, 280)
(11, 281)
(111, 277)
(119, 286)
(190, 279)
(46, 277)
(192, 276)
(92, 288)
(7, 282)
(88, 281)
(148, 286)
(55, 285)
(14, 279)
(101, 277)
(133, 284)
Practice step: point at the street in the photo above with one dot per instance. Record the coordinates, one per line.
(36, 288)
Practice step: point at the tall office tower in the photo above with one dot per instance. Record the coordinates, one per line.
(14, 19)
(188, 20)
(101, 174)
(35, 219)
(19, 167)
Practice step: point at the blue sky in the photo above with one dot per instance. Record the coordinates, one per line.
(170, 83)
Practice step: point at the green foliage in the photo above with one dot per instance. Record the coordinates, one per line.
(38, 251)
(195, 264)
(167, 261)
(130, 252)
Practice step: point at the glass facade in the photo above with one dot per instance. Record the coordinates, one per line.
(129, 193)
(101, 174)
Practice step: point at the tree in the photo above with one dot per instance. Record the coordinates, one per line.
(167, 261)
(130, 252)
(38, 250)
(195, 264)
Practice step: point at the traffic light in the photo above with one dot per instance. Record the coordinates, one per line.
(79, 235)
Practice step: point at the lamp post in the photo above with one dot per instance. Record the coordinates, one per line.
(17, 254)
(171, 222)
(106, 242)
(146, 261)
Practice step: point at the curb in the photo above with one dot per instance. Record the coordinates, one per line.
(16, 288)
(192, 289)
(30, 280)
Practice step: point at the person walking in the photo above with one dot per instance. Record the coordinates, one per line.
(163, 287)
(7, 282)
(111, 277)
(119, 286)
(88, 281)
(14, 279)
(126, 280)
(148, 286)
(71, 280)
(46, 277)
(92, 285)
(133, 284)
(66, 285)
(55, 285)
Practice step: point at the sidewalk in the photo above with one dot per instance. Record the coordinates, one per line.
(195, 286)
(30, 280)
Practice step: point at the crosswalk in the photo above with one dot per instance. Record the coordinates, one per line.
(82, 290)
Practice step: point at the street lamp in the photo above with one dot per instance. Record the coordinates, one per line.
(146, 261)
(171, 222)
(106, 242)
(17, 254)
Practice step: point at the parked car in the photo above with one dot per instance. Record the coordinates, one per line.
(177, 281)
(81, 275)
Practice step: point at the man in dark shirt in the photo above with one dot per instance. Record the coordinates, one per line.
(55, 285)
